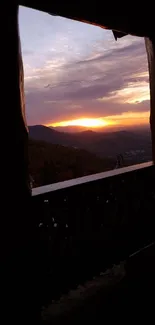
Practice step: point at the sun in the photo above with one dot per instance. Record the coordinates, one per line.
(85, 122)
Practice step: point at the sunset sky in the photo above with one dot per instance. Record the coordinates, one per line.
(77, 74)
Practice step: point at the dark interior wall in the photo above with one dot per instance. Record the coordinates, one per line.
(18, 254)
(17, 226)
(14, 151)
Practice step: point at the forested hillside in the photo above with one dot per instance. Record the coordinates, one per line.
(51, 163)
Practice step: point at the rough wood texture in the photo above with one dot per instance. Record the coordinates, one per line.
(150, 48)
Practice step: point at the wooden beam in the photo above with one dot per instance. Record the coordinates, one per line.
(150, 49)
(102, 14)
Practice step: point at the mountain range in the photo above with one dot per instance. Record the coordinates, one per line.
(103, 144)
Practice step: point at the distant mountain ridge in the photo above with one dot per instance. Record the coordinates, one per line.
(103, 144)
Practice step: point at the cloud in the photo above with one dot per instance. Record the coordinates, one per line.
(134, 92)
(104, 82)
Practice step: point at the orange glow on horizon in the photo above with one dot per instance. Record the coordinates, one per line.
(124, 119)
(85, 122)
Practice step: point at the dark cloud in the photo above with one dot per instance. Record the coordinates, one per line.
(136, 47)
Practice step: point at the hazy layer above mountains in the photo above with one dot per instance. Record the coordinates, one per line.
(77, 129)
